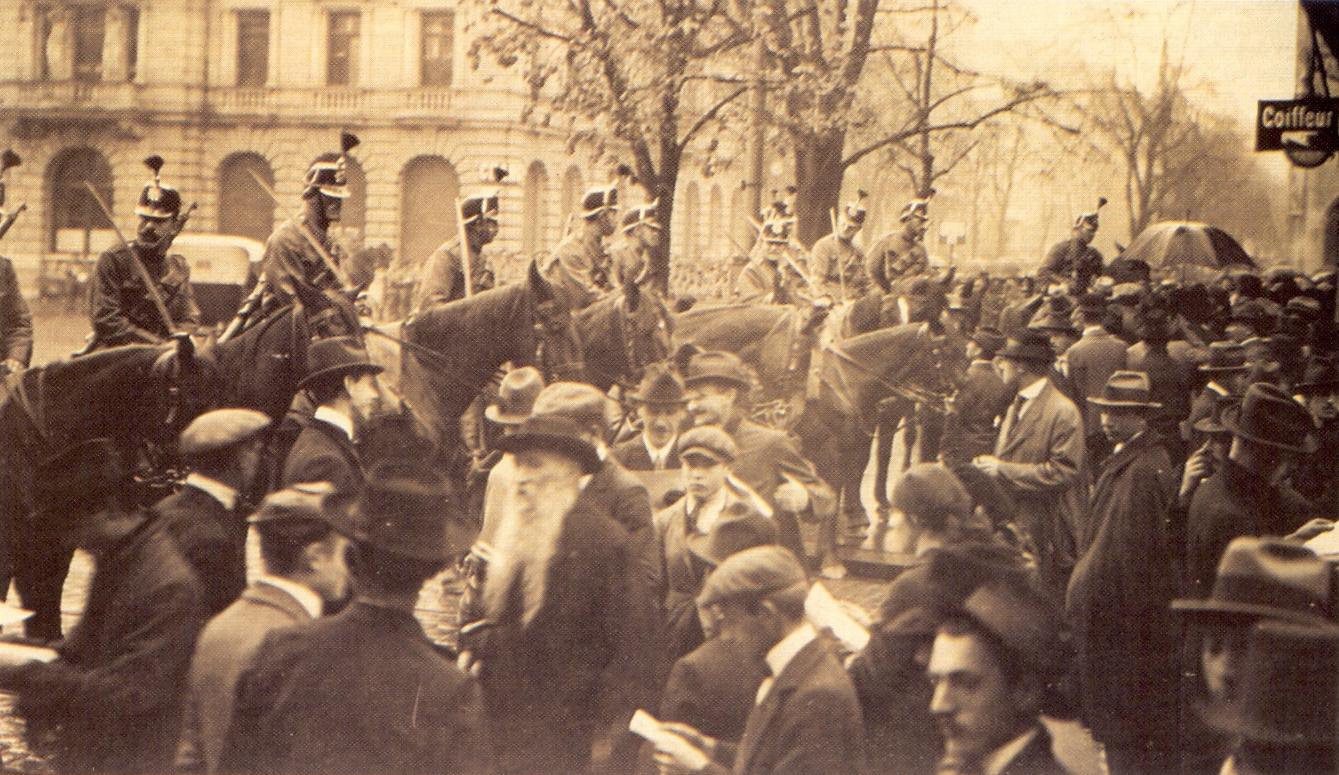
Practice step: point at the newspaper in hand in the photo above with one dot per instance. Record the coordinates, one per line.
(647, 727)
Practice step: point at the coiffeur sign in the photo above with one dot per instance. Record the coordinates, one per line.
(1302, 124)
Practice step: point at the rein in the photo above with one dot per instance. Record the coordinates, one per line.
(933, 400)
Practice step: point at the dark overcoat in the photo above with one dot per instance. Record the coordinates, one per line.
(361, 692)
(713, 688)
(619, 495)
(322, 453)
(978, 407)
(212, 539)
(634, 457)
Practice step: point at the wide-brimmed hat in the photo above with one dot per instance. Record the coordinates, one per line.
(1270, 416)
(1214, 422)
(1266, 578)
(753, 573)
(516, 396)
(1023, 620)
(1031, 345)
(336, 356)
(660, 385)
(709, 441)
(1225, 357)
(403, 510)
(297, 509)
(1290, 688)
(990, 340)
(221, 428)
(718, 366)
(1126, 390)
(555, 434)
(1320, 376)
(738, 527)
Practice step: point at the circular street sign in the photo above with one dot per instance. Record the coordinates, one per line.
(1305, 157)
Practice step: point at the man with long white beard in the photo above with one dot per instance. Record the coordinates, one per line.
(565, 646)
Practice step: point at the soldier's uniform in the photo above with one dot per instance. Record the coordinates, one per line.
(443, 280)
(628, 254)
(16, 323)
(1074, 260)
(290, 260)
(578, 268)
(121, 307)
(768, 278)
(900, 256)
(840, 264)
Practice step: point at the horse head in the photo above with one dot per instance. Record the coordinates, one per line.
(188, 384)
(557, 346)
(647, 327)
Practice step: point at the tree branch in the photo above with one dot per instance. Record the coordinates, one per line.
(709, 116)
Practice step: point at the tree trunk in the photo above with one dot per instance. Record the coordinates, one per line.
(818, 182)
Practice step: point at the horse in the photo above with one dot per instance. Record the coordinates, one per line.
(140, 397)
(623, 332)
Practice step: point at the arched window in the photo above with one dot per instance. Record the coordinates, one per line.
(573, 188)
(74, 211)
(534, 215)
(692, 205)
(244, 207)
(429, 188)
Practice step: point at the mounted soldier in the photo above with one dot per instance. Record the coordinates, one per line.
(443, 275)
(839, 263)
(124, 308)
(630, 253)
(16, 323)
(775, 273)
(579, 267)
(899, 256)
(1075, 260)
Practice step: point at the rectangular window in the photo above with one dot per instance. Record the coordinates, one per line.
(435, 59)
(342, 49)
(89, 27)
(253, 48)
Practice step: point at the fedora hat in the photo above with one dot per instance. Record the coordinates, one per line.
(516, 396)
(555, 434)
(1266, 578)
(1320, 376)
(660, 385)
(1030, 345)
(739, 527)
(1092, 302)
(1290, 688)
(990, 340)
(1267, 415)
(336, 356)
(1214, 422)
(403, 510)
(1126, 390)
(718, 366)
(1225, 357)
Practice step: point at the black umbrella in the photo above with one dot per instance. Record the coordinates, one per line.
(1172, 247)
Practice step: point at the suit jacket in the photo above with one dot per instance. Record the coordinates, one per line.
(225, 647)
(322, 453)
(620, 496)
(16, 323)
(1035, 758)
(1092, 360)
(713, 688)
(213, 541)
(1043, 464)
(633, 456)
(363, 691)
(113, 698)
(585, 658)
(809, 722)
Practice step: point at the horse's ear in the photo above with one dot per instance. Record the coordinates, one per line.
(185, 349)
(685, 354)
(539, 287)
(632, 295)
(947, 282)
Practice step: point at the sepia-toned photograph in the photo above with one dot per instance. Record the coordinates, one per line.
(669, 387)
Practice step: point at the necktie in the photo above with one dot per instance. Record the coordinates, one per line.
(1011, 418)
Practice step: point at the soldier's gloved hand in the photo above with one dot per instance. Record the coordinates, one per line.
(791, 496)
(10, 366)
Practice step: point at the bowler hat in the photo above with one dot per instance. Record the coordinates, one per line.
(297, 509)
(1031, 345)
(1225, 357)
(739, 527)
(1290, 688)
(1055, 316)
(718, 366)
(990, 340)
(336, 356)
(753, 573)
(221, 428)
(83, 472)
(1266, 578)
(1270, 416)
(516, 396)
(403, 510)
(1126, 390)
(1213, 424)
(1022, 619)
(709, 441)
(660, 385)
(1320, 376)
(555, 434)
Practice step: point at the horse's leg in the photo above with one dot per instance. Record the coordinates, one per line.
(41, 563)
(890, 414)
(931, 432)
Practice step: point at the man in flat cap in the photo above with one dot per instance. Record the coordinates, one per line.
(366, 690)
(1119, 594)
(662, 406)
(991, 665)
(111, 701)
(806, 718)
(342, 380)
(222, 448)
(565, 652)
(303, 537)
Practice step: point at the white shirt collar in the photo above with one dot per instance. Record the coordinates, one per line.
(216, 489)
(785, 650)
(1032, 391)
(709, 511)
(1001, 757)
(335, 418)
(659, 455)
(306, 596)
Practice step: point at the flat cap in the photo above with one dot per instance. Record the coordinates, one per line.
(753, 573)
(300, 507)
(709, 441)
(221, 428)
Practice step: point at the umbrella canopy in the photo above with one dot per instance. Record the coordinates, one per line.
(1172, 247)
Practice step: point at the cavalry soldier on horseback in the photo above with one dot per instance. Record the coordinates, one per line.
(1075, 260)
(126, 311)
(443, 276)
(841, 265)
(578, 269)
(775, 272)
(16, 323)
(901, 255)
(631, 251)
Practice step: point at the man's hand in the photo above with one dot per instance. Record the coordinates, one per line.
(1310, 530)
(10, 366)
(1198, 468)
(989, 464)
(791, 496)
(683, 749)
(467, 663)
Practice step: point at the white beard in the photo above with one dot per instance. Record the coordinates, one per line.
(524, 547)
